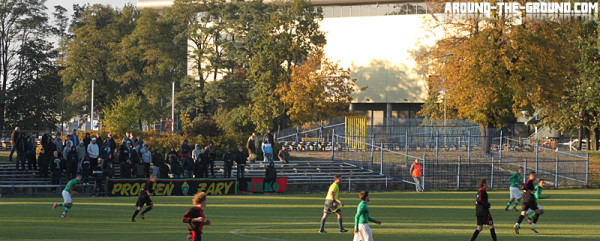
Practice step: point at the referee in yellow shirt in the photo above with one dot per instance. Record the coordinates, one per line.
(333, 204)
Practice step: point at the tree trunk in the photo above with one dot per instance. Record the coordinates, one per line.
(487, 135)
(587, 140)
(579, 138)
(594, 139)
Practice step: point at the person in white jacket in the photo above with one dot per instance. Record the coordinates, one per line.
(93, 151)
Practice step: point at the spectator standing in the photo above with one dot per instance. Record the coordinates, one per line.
(98, 174)
(21, 151)
(251, 146)
(147, 158)
(284, 155)
(140, 169)
(74, 137)
(133, 139)
(203, 164)
(125, 138)
(125, 152)
(136, 155)
(157, 161)
(211, 152)
(93, 152)
(196, 153)
(240, 160)
(43, 162)
(188, 167)
(126, 168)
(56, 169)
(267, 149)
(87, 140)
(46, 140)
(271, 172)
(164, 170)
(16, 134)
(66, 150)
(31, 153)
(112, 144)
(99, 140)
(269, 136)
(415, 171)
(72, 162)
(58, 143)
(172, 154)
(186, 151)
(176, 168)
(81, 154)
(140, 141)
(85, 169)
(227, 164)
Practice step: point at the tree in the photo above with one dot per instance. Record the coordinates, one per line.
(492, 70)
(121, 115)
(16, 19)
(319, 89)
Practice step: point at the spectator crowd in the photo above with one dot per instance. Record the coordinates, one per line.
(95, 157)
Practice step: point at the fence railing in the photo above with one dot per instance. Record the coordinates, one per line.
(458, 161)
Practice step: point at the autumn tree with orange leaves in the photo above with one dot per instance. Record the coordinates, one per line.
(492, 70)
(319, 89)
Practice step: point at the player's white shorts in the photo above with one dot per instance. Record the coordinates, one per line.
(364, 233)
(515, 193)
(538, 206)
(67, 197)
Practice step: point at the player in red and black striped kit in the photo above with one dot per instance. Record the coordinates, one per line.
(529, 202)
(144, 198)
(195, 218)
(482, 211)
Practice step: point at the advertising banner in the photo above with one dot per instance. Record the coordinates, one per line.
(171, 187)
(262, 185)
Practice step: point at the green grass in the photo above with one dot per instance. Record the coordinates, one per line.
(405, 216)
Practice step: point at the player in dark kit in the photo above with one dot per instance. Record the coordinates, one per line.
(195, 219)
(529, 202)
(482, 211)
(144, 198)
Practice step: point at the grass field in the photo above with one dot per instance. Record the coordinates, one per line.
(405, 216)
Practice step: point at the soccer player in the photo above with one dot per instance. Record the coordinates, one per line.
(515, 193)
(482, 211)
(144, 198)
(333, 204)
(67, 193)
(362, 231)
(195, 219)
(529, 202)
(538, 196)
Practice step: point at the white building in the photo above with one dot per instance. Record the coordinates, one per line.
(378, 41)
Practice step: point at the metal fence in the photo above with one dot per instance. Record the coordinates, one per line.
(456, 162)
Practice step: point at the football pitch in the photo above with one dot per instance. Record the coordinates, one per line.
(570, 215)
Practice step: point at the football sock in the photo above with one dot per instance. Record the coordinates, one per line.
(520, 219)
(533, 225)
(535, 218)
(322, 224)
(508, 204)
(146, 210)
(66, 211)
(135, 213)
(517, 202)
(61, 205)
(475, 235)
(340, 223)
(493, 233)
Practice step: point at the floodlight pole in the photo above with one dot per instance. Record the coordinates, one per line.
(92, 108)
(173, 108)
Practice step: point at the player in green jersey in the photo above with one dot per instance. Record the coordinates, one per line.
(515, 192)
(67, 193)
(333, 204)
(362, 231)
